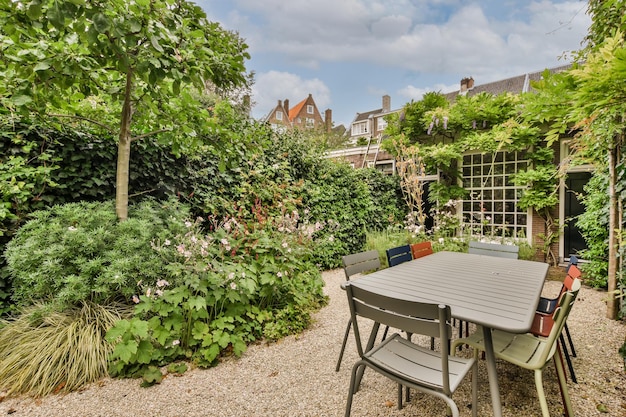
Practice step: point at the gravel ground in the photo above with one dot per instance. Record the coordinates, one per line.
(296, 377)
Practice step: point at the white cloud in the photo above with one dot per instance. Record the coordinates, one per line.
(275, 85)
(411, 92)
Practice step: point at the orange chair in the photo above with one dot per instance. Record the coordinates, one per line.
(542, 323)
(421, 249)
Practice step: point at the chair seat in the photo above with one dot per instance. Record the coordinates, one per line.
(422, 366)
(523, 350)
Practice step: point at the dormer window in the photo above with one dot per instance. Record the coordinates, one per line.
(359, 128)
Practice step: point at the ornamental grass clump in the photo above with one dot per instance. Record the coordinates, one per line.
(49, 352)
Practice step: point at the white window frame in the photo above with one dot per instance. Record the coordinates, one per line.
(359, 128)
(310, 109)
(381, 123)
(279, 115)
(490, 210)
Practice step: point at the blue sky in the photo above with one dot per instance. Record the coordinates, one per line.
(349, 53)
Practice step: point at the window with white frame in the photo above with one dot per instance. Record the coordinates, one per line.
(491, 206)
(310, 122)
(381, 123)
(359, 128)
(309, 109)
(279, 115)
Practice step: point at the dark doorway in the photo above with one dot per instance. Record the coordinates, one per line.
(574, 184)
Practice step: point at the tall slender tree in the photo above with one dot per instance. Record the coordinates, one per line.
(146, 60)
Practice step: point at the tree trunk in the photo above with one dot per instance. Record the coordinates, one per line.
(612, 303)
(123, 155)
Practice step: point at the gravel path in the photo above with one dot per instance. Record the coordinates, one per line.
(296, 377)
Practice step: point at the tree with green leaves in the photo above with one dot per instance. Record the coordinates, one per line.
(144, 63)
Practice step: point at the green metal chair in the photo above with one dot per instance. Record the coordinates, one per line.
(408, 364)
(531, 352)
(353, 264)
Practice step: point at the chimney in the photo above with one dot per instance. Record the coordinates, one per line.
(467, 83)
(386, 103)
(328, 120)
(464, 85)
(287, 106)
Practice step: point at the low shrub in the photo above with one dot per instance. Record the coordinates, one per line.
(80, 252)
(221, 290)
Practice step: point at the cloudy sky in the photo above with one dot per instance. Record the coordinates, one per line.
(349, 53)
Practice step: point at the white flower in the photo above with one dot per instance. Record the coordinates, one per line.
(176, 342)
(279, 274)
(331, 238)
(233, 286)
(135, 299)
(231, 275)
(188, 224)
(71, 228)
(167, 242)
(224, 241)
(284, 244)
(441, 240)
(158, 293)
(148, 292)
(162, 283)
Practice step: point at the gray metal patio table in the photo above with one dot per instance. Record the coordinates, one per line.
(495, 293)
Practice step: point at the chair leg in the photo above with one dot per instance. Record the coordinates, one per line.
(385, 333)
(343, 345)
(352, 389)
(569, 338)
(475, 388)
(559, 351)
(567, 403)
(541, 393)
(570, 366)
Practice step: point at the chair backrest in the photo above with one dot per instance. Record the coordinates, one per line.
(421, 249)
(573, 273)
(398, 255)
(358, 263)
(560, 314)
(573, 260)
(431, 320)
(494, 249)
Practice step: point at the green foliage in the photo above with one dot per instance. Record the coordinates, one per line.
(221, 291)
(337, 197)
(387, 208)
(154, 57)
(79, 252)
(410, 123)
(593, 224)
(55, 352)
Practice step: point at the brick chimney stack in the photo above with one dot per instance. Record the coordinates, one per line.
(386, 103)
(286, 106)
(328, 120)
(467, 83)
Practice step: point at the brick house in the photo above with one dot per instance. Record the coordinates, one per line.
(304, 115)
(498, 196)
(487, 177)
(365, 134)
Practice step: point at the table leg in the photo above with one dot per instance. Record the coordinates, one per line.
(491, 371)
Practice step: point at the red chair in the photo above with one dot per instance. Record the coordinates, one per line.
(542, 323)
(421, 249)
